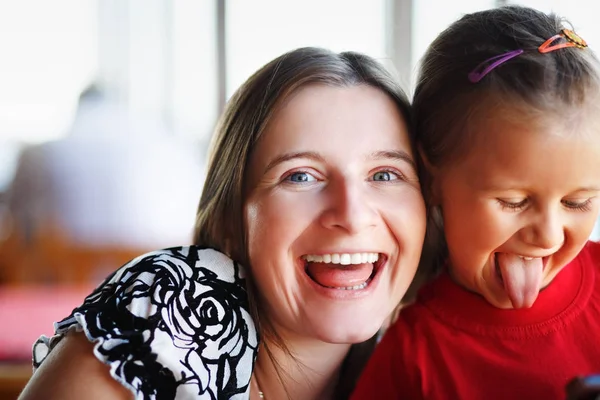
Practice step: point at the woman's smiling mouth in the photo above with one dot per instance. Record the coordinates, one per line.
(343, 271)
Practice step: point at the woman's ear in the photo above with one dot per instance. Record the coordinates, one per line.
(430, 184)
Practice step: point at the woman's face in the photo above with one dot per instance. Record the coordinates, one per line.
(334, 213)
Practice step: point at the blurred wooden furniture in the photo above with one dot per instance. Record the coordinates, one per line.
(49, 256)
(13, 377)
(42, 278)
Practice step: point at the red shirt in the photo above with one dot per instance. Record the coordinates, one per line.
(452, 344)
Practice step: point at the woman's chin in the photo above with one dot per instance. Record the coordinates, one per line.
(350, 331)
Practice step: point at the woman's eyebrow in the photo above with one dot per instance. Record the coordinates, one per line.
(290, 156)
(378, 155)
(394, 155)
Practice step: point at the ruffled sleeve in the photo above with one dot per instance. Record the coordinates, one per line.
(171, 324)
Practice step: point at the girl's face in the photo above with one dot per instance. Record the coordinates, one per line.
(334, 216)
(520, 205)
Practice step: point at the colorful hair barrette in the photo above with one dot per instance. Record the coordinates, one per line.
(485, 67)
(571, 39)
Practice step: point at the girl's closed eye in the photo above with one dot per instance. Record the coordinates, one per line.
(578, 205)
(513, 204)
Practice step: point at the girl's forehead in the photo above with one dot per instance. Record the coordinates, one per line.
(528, 158)
(560, 120)
(506, 140)
(550, 113)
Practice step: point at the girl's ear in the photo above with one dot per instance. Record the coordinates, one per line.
(430, 184)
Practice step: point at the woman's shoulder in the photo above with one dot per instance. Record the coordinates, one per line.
(150, 285)
(178, 264)
(71, 371)
(170, 321)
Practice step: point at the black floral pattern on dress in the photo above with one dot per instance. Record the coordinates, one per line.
(172, 324)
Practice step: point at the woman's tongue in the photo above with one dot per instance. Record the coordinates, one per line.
(339, 276)
(522, 278)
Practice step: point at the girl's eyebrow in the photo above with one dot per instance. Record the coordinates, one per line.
(588, 189)
(517, 188)
(290, 156)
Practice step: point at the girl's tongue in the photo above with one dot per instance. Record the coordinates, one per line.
(339, 276)
(522, 278)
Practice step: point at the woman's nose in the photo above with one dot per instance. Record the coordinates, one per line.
(349, 207)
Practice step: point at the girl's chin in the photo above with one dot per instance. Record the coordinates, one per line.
(502, 304)
(498, 299)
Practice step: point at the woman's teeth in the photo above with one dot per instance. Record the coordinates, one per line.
(343, 259)
(357, 287)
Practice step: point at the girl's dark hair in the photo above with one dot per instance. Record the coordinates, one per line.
(445, 101)
(220, 218)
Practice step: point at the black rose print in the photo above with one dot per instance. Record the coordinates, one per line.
(172, 324)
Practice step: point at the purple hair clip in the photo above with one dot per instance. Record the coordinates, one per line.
(485, 67)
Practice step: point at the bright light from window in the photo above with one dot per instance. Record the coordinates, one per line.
(48, 56)
(260, 30)
(581, 13)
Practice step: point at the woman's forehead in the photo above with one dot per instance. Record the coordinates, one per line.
(335, 119)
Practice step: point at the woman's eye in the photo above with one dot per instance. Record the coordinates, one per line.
(300, 177)
(385, 176)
